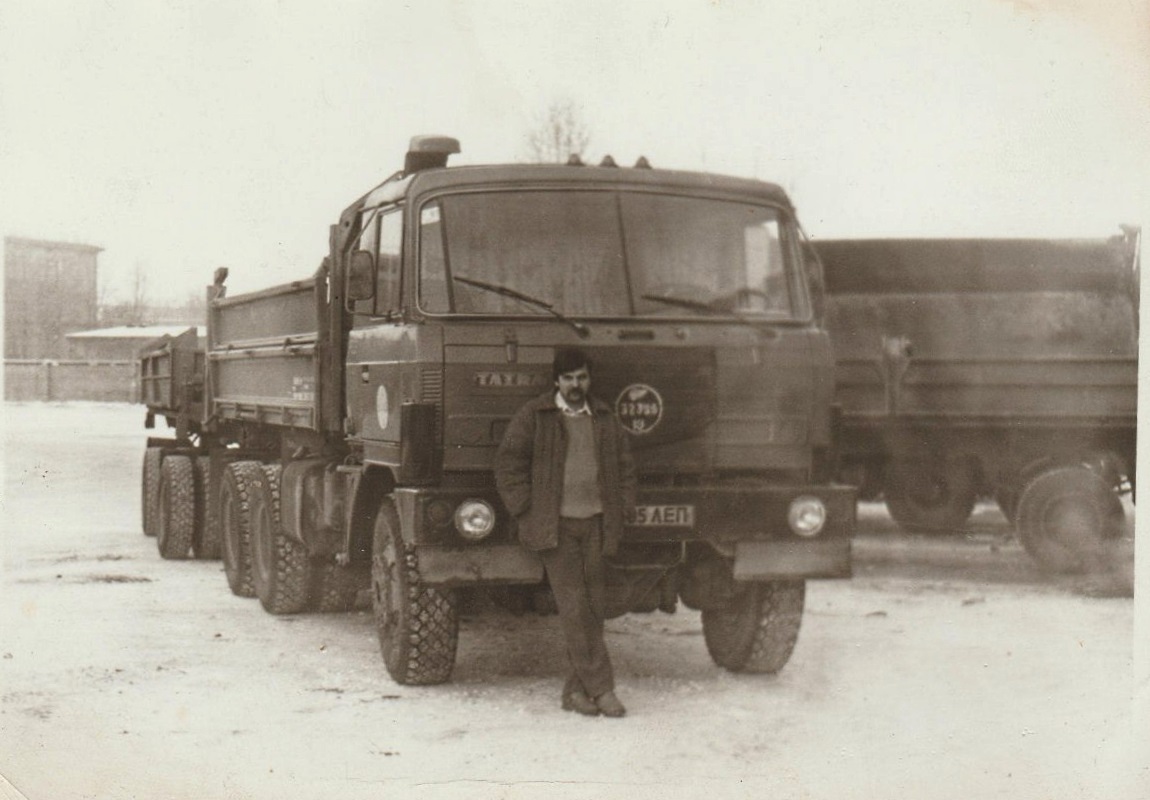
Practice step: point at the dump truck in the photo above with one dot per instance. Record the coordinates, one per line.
(995, 368)
(335, 436)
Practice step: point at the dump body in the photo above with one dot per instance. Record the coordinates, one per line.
(171, 378)
(1001, 353)
(261, 359)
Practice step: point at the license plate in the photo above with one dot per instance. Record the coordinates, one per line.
(665, 516)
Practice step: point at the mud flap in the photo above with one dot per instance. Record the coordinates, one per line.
(777, 560)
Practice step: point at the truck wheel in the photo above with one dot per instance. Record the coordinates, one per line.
(1065, 517)
(281, 567)
(150, 489)
(418, 626)
(234, 511)
(206, 542)
(177, 508)
(335, 588)
(758, 630)
(930, 496)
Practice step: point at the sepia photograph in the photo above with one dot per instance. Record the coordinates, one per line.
(573, 399)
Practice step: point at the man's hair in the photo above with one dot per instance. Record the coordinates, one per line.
(568, 359)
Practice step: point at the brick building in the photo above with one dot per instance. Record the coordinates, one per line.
(49, 291)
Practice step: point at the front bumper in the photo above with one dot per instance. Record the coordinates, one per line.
(746, 523)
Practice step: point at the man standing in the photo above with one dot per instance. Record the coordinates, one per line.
(564, 471)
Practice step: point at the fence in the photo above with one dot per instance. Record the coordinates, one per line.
(107, 381)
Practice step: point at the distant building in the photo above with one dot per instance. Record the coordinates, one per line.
(119, 344)
(49, 291)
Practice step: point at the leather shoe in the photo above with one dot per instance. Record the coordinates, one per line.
(575, 699)
(609, 705)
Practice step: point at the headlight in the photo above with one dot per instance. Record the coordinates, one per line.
(474, 519)
(807, 516)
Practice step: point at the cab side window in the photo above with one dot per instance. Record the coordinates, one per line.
(388, 265)
(368, 240)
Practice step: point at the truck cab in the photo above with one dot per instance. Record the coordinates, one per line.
(692, 297)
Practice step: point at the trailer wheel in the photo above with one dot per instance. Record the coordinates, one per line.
(281, 567)
(926, 496)
(335, 588)
(150, 489)
(206, 542)
(758, 630)
(234, 511)
(418, 626)
(177, 508)
(1065, 517)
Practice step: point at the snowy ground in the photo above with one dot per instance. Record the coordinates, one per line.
(944, 669)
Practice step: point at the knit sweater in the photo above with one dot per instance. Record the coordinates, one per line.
(581, 497)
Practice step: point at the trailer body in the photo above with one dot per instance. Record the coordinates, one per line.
(968, 367)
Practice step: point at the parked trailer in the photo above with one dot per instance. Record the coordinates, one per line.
(349, 421)
(1004, 368)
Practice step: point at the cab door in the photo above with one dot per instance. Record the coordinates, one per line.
(373, 380)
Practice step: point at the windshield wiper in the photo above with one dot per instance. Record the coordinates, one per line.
(682, 302)
(578, 327)
(699, 305)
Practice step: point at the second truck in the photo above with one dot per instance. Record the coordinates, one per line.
(1004, 368)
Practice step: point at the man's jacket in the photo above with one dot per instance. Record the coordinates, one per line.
(529, 471)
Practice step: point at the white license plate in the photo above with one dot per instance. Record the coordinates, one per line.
(665, 516)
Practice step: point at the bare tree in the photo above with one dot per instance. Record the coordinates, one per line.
(134, 310)
(558, 134)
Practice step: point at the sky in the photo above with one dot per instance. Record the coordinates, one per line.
(183, 136)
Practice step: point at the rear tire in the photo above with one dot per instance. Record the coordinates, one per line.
(931, 496)
(1066, 516)
(418, 626)
(206, 544)
(177, 508)
(758, 629)
(150, 490)
(281, 567)
(234, 511)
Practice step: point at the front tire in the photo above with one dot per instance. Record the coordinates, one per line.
(281, 568)
(931, 496)
(418, 626)
(176, 508)
(757, 631)
(1066, 516)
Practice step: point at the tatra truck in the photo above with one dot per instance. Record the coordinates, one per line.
(335, 436)
(997, 368)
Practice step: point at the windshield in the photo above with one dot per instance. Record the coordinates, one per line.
(601, 253)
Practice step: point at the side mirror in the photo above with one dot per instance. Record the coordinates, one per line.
(360, 276)
(816, 278)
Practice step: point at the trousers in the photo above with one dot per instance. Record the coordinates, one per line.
(575, 571)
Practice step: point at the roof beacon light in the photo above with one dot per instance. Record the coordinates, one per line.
(428, 152)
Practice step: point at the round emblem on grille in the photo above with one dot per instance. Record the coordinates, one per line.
(639, 408)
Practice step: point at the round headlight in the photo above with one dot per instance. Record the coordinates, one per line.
(807, 516)
(474, 519)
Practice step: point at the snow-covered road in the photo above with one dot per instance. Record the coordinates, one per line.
(942, 670)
